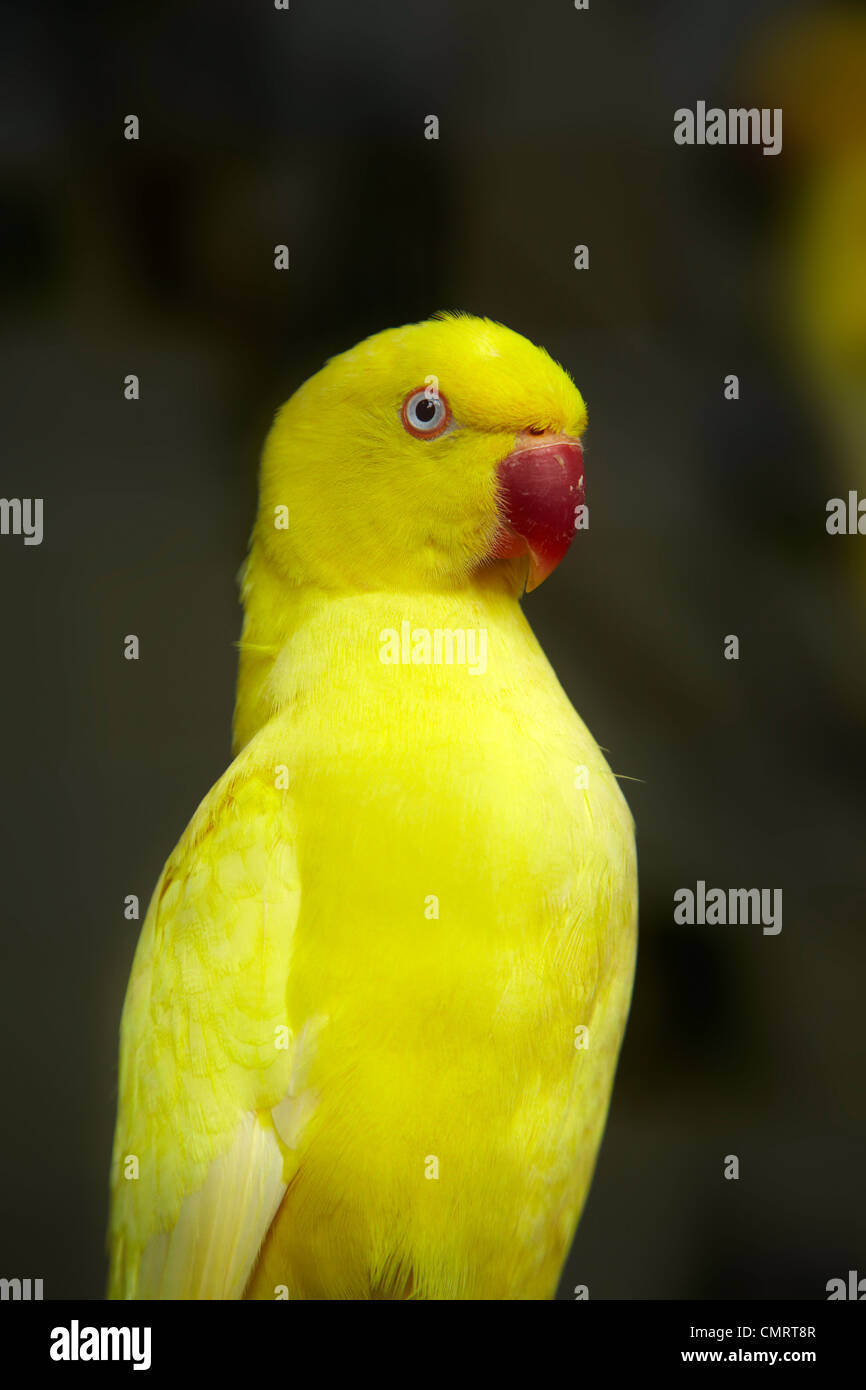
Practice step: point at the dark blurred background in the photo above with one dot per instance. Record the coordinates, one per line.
(261, 127)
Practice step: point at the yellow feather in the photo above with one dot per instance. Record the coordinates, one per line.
(436, 1124)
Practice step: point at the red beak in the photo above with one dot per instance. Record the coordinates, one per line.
(541, 485)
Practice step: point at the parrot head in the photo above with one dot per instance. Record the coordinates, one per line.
(421, 456)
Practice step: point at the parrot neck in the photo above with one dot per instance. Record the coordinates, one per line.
(303, 644)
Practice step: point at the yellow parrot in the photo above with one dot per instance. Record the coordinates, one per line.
(374, 1015)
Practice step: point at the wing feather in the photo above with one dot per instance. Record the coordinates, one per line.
(207, 1051)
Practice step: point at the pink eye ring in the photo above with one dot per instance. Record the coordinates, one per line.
(424, 414)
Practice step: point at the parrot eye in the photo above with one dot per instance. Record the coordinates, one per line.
(425, 414)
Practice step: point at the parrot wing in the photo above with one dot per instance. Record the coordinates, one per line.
(199, 1168)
